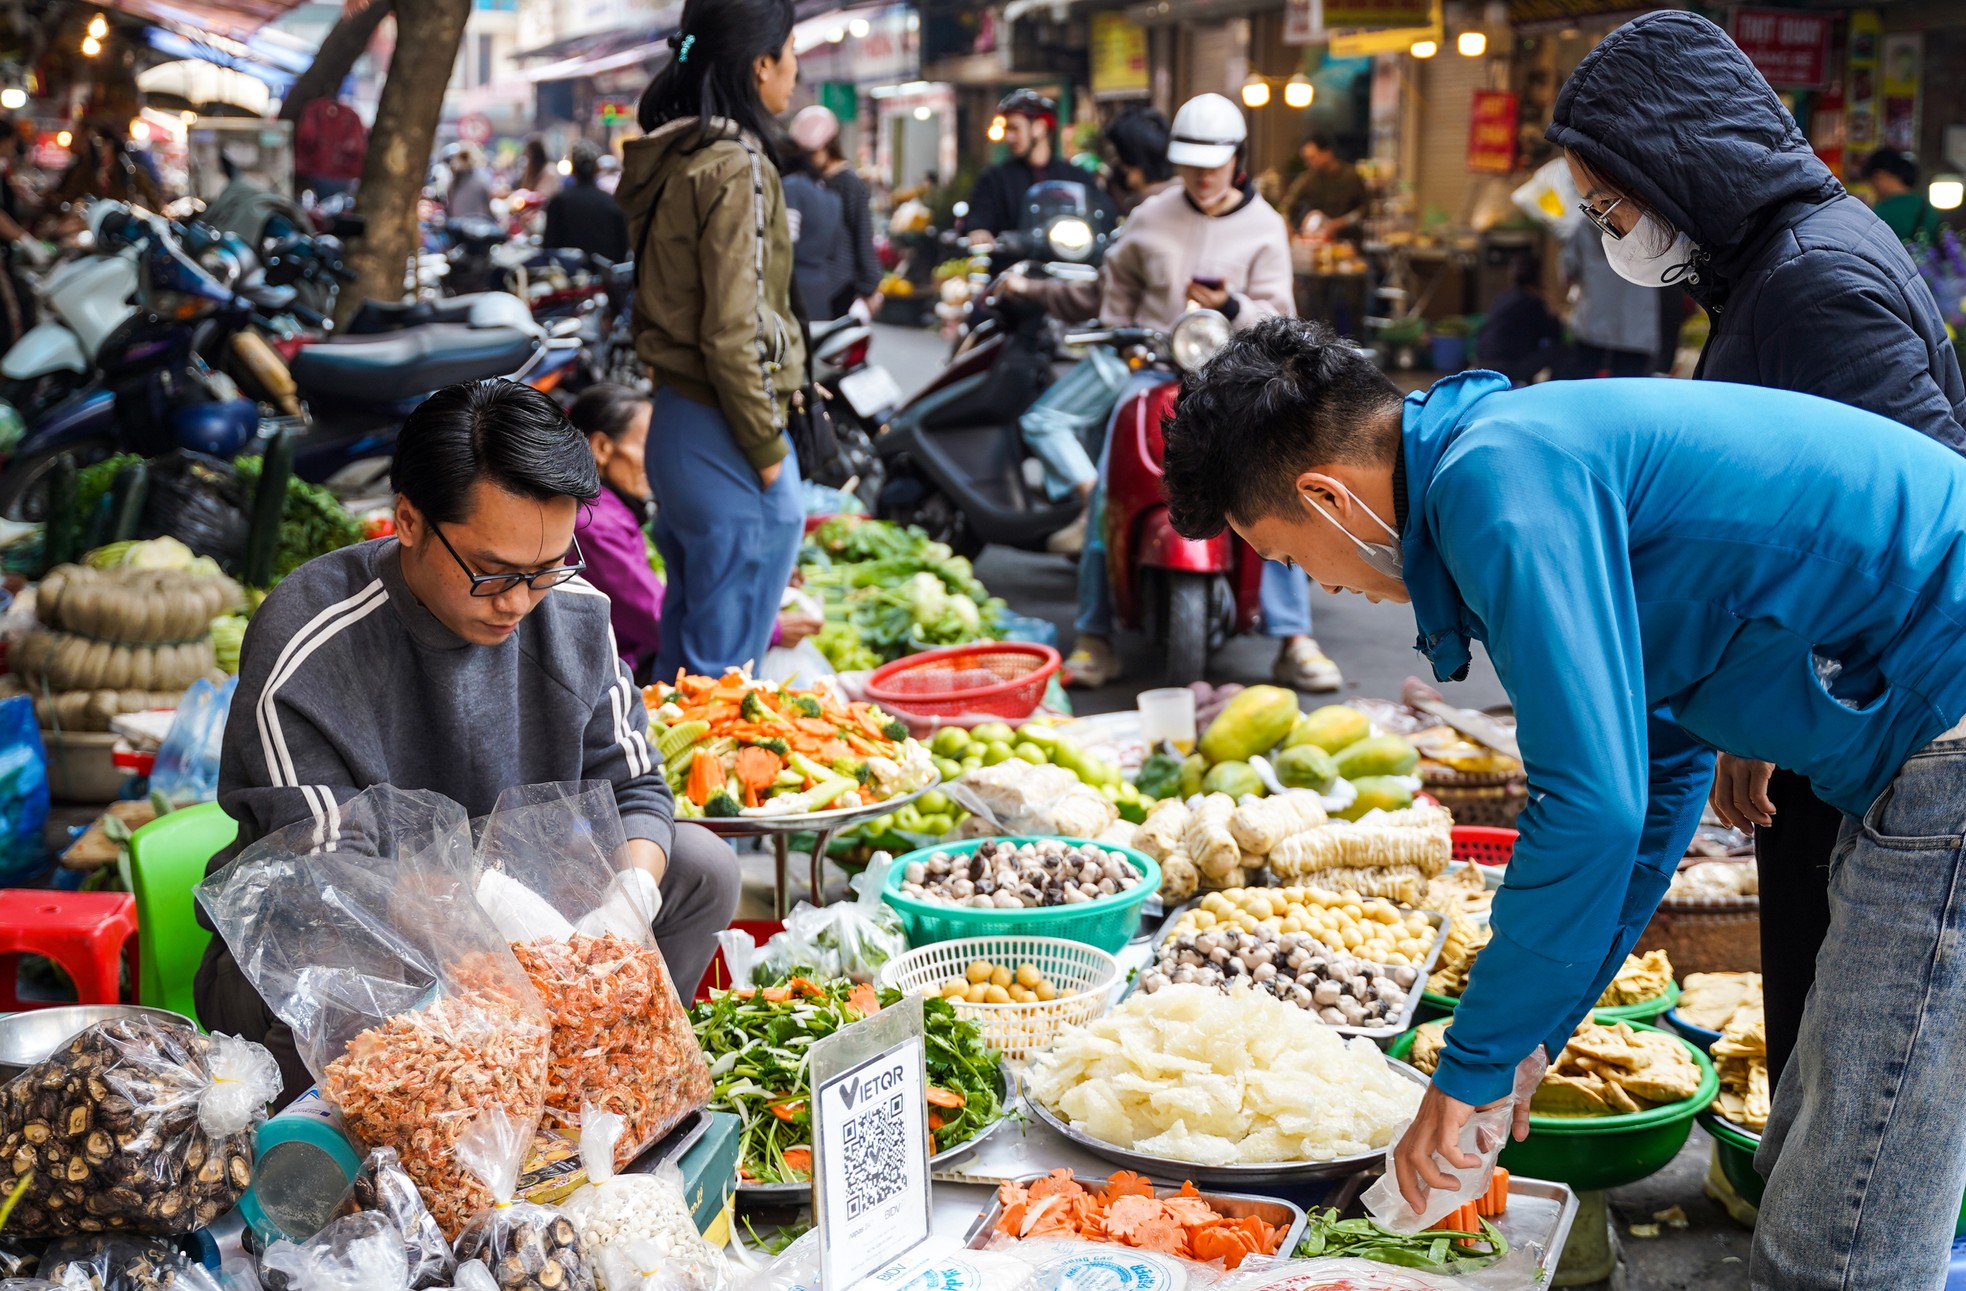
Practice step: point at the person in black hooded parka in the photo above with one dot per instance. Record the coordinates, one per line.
(1699, 176)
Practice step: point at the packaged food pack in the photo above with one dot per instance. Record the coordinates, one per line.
(383, 1188)
(551, 872)
(363, 934)
(136, 1125)
(115, 1263)
(1340, 1274)
(853, 939)
(361, 1252)
(1017, 797)
(638, 1227)
(527, 1247)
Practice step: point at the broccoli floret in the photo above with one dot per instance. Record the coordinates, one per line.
(753, 709)
(807, 706)
(722, 804)
(895, 729)
(854, 770)
(776, 745)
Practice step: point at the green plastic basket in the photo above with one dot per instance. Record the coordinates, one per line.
(1107, 923)
(1434, 1006)
(1734, 1147)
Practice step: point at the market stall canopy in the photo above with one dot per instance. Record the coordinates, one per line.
(203, 87)
(230, 19)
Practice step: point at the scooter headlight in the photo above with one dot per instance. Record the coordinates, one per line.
(1071, 238)
(1198, 337)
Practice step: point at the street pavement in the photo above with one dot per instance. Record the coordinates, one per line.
(1373, 645)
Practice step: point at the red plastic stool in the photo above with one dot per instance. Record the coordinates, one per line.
(87, 933)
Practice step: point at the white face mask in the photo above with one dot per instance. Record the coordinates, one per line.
(1630, 261)
(1380, 557)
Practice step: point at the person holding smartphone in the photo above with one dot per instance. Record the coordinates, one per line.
(1208, 242)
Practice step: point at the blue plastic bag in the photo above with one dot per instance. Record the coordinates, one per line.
(23, 790)
(187, 765)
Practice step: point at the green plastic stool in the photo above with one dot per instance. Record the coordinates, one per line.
(167, 860)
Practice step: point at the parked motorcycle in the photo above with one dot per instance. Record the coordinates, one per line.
(861, 396)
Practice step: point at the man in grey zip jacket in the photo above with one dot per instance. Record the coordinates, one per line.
(464, 656)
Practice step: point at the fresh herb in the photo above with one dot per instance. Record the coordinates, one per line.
(1438, 1250)
(312, 521)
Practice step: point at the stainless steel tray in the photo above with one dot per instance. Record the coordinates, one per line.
(1398, 1027)
(833, 818)
(1255, 1174)
(793, 1194)
(1537, 1224)
(1278, 1214)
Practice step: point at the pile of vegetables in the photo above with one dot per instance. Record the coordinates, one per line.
(888, 591)
(758, 1043)
(738, 746)
(312, 522)
(1461, 1243)
(1261, 743)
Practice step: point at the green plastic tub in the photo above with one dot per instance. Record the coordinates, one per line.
(1433, 1007)
(1595, 1152)
(1108, 923)
(1734, 1147)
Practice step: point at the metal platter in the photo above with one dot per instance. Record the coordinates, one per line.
(1253, 1175)
(811, 822)
(1286, 1217)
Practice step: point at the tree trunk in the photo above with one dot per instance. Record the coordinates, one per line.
(427, 37)
(336, 57)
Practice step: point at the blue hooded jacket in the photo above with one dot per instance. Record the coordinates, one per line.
(1808, 290)
(1642, 609)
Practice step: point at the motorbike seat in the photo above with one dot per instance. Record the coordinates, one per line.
(390, 315)
(401, 365)
(826, 331)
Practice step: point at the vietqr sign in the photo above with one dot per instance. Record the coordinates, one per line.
(1791, 49)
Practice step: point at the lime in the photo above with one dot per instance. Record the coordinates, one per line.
(1038, 733)
(938, 824)
(1029, 752)
(949, 742)
(994, 733)
(949, 767)
(996, 751)
(932, 803)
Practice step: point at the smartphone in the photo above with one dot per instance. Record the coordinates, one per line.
(1213, 284)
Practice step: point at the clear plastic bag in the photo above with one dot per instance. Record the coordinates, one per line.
(136, 1125)
(551, 872)
(1016, 797)
(114, 1263)
(383, 1188)
(362, 1252)
(187, 761)
(363, 935)
(638, 1227)
(527, 1247)
(852, 939)
(1335, 1274)
(1484, 1136)
(28, 1284)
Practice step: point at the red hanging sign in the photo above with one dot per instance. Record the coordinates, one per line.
(1790, 48)
(1491, 132)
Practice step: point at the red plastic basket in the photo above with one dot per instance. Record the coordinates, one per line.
(1005, 679)
(1483, 844)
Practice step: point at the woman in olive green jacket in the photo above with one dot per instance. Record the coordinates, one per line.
(714, 322)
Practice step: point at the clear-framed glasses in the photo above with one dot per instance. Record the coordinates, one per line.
(499, 584)
(1602, 219)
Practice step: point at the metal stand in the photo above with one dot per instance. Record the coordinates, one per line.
(823, 826)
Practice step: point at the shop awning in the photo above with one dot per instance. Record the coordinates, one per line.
(190, 83)
(231, 19)
(568, 69)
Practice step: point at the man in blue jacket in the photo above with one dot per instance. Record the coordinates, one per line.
(1656, 576)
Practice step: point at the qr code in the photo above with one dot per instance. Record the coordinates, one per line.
(876, 1156)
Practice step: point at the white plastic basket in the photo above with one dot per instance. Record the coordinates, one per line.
(1083, 975)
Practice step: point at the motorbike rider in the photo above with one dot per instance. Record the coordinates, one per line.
(469, 194)
(580, 216)
(1210, 242)
(1030, 123)
(1137, 141)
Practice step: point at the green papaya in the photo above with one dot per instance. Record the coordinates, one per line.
(1254, 722)
(1192, 772)
(1330, 728)
(1232, 778)
(1305, 767)
(1379, 755)
(1382, 792)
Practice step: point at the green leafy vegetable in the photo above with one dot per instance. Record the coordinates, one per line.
(312, 523)
(1437, 1250)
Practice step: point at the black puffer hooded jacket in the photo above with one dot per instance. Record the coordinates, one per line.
(1807, 288)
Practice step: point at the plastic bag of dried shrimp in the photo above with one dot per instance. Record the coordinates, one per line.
(362, 933)
(552, 874)
(527, 1247)
(638, 1227)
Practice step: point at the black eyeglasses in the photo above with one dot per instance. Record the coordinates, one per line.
(499, 584)
(1603, 218)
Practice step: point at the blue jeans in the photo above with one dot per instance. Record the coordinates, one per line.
(1865, 1153)
(1285, 592)
(1056, 425)
(729, 543)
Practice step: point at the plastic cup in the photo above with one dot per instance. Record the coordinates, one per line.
(1168, 716)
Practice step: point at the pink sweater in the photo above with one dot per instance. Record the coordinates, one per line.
(1165, 242)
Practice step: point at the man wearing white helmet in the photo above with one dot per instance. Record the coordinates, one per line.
(1209, 242)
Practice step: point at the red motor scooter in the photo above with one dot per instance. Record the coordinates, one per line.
(1188, 596)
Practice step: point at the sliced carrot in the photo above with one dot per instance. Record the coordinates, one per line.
(935, 1122)
(706, 776)
(777, 994)
(866, 1001)
(799, 1159)
(755, 768)
(940, 1097)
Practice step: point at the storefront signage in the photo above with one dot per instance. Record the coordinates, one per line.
(1350, 15)
(1790, 48)
(1862, 100)
(870, 1143)
(1416, 22)
(1119, 55)
(1491, 132)
(1904, 56)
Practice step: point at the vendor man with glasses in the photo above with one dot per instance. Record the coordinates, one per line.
(464, 655)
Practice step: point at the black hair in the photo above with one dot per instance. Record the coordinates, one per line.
(584, 161)
(1320, 141)
(504, 432)
(1138, 137)
(797, 161)
(1283, 397)
(710, 77)
(536, 157)
(1889, 161)
(605, 408)
(1664, 232)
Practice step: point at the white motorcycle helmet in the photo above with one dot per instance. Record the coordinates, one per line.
(1207, 131)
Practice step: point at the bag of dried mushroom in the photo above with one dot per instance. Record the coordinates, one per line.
(551, 874)
(137, 1125)
(527, 1247)
(405, 1002)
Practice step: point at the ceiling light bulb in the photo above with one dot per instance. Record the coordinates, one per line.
(13, 98)
(1255, 92)
(91, 47)
(1424, 48)
(1299, 92)
(922, 113)
(1471, 44)
(1946, 193)
(64, 139)
(836, 35)
(859, 28)
(98, 26)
